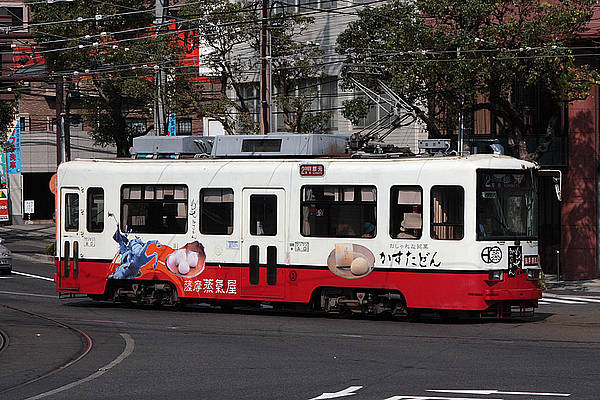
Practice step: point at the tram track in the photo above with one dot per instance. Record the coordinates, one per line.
(3, 340)
(86, 339)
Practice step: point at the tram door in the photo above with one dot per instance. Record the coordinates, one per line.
(263, 242)
(70, 234)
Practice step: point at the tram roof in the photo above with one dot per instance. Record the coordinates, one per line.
(473, 160)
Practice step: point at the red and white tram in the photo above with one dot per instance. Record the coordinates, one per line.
(371, 235)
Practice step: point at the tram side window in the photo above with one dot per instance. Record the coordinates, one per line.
(406, 212)
(95, 210)
(216, 211)
(71, 212)
(447, 212)
(154, 208)
(339, 211)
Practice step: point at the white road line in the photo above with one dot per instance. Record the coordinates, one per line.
(585, 299)
(349, 391)
(490, 392)
(438, 398)
(555, 300)
(129, 346)
(567, 295)
(29, 294)
(542, 302)
(33, 276)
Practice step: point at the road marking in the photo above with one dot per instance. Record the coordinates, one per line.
(33, 276)
(29, 294)
(342, 393)
(437, 398)
(584, 299)
(490, 392)
(542, 303)
(557, 300)
(129, 346)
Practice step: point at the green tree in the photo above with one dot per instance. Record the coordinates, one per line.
(7, 115)
(114, 45)
(448, 56)
(229, 39)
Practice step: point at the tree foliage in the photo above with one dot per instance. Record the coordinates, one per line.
(444, 56)
(229, 39)
(110, 49)
(7, 115)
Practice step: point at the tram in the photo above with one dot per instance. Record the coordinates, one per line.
(339, 233)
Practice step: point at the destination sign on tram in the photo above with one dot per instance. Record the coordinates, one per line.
(312, 170)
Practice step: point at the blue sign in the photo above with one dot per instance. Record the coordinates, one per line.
(14, 157)
(172, 130)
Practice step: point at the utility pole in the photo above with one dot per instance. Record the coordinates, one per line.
(66, 120)
(265, 69)
(60, 142)
(160, 77)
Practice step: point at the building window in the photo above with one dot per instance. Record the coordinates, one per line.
(329, 95)
(13, 17)
(95, 210)
(154, 208)
(339, 211)
(24, 123)
(216, 211)
(184, 126)
(328, 4)
(251, 99)
(75, 122)
(447, 212)
(406, 212)
(136, 125)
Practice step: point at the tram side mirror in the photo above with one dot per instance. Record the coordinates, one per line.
(556, 176)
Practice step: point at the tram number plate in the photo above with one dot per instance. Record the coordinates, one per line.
(301, 247)
(90, 242)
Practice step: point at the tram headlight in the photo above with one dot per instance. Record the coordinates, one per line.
(496, 276)
(534, 274)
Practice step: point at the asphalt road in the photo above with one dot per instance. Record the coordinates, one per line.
(78, 348)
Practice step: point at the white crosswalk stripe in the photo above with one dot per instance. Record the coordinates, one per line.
(549, 298)
(562, 301)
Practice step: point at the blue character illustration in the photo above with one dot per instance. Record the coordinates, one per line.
(133, 256)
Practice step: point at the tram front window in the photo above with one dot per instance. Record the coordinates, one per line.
(506, 205)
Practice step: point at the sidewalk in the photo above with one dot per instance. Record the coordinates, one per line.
(587, 287)
(29, 240)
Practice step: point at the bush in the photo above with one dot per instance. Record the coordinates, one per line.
(51, 249)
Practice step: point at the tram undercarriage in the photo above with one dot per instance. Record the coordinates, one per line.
(156, 293)
(362, 301)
